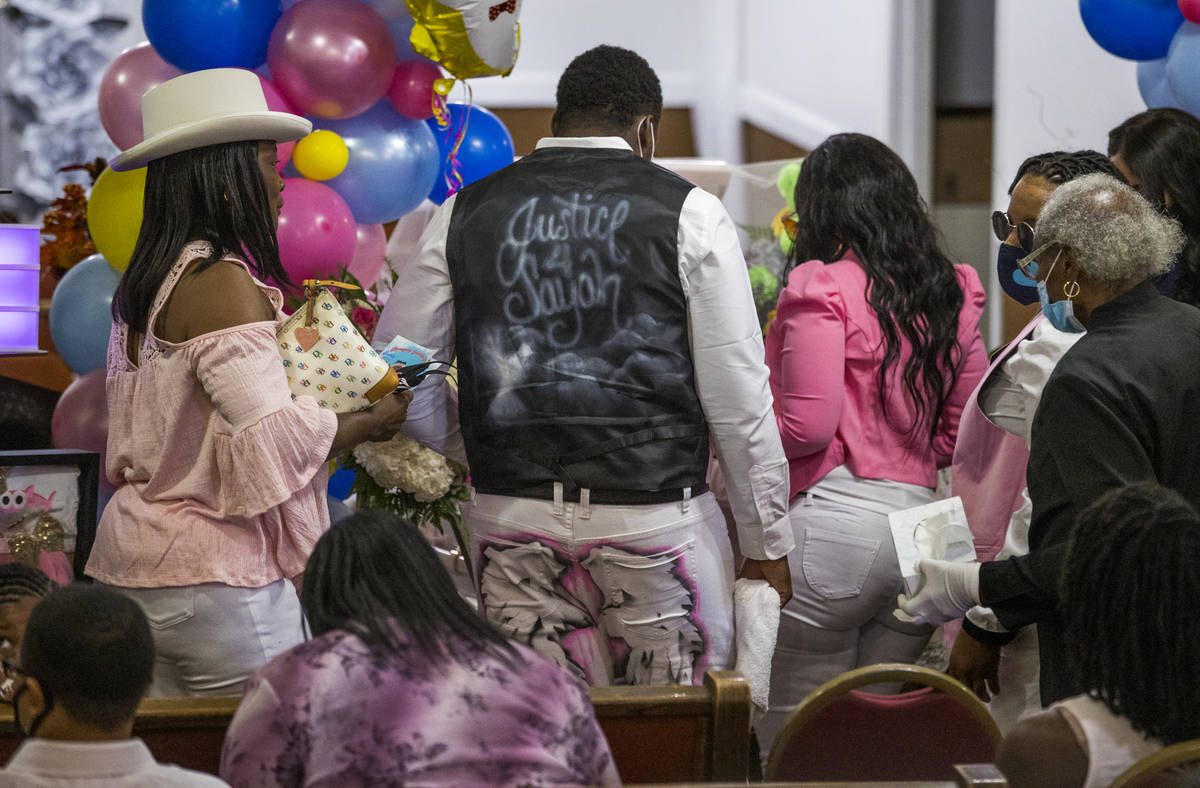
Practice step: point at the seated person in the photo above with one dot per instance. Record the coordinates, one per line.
(86, 662)
(1127, 601)
(21, 588)
(404, 683)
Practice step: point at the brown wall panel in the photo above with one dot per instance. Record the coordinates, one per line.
(761, 145)
(529, 124)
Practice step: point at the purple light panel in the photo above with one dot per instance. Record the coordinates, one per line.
(18, 330)
(19, 244)
(19, 272)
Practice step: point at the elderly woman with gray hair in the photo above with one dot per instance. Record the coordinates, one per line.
(1122, 406)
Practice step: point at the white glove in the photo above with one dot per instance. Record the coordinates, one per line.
(949, 590)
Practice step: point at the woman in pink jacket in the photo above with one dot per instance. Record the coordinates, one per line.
(874, 351)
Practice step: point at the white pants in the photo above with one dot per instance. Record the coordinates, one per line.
(845, 579)
(615, 594)
(209, 638)
(1019, 674)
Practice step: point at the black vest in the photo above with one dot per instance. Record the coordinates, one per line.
(571, 330)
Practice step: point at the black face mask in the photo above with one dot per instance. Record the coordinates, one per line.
(1015, 284)
(38, 720)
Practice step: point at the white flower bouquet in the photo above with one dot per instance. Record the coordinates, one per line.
(404, 477)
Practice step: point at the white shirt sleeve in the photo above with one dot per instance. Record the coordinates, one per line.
(732, 376)
(421, 308)
(1010, 397)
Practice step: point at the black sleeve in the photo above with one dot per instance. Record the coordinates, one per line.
(986, 635)
(1084, 443)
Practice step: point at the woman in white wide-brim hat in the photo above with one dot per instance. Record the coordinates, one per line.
(220, 475)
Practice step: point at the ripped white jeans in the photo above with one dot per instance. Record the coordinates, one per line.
(615, 594)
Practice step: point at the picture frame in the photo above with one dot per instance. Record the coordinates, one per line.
(69, 489)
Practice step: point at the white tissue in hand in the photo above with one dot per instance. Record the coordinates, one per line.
(936, 530)
(756, 627)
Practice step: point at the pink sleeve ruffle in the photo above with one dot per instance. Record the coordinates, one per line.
(265, 464)
(269, 447)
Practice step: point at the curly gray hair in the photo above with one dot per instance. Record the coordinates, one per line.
(1116, 234)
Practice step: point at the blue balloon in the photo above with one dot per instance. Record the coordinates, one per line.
(486, 147)
(1153, 85)
(393, 163)
(340, 483)
(81, 314)
(197, 34)
(1183, 69)
(1133, 29)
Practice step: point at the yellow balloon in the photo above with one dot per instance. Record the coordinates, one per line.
(114, 214)
(321, 155)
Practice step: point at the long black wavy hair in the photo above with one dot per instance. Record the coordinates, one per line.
(1161, 147)
(1128, 602)
(374, 575)
(855, 194)
(216, 194)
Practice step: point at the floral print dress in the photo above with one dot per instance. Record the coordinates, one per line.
(335, 712)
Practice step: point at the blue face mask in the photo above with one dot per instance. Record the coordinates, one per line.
(1061, 314)
(1013, 281)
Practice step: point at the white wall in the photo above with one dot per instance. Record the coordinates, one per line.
(812, 68)
(553, 32)
(1055, 89)
(801, 69)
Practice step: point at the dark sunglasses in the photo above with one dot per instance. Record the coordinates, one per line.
(1003, 228)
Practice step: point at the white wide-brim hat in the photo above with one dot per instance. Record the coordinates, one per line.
(207, 108)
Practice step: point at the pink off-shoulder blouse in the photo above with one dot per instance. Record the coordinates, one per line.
(220, 474)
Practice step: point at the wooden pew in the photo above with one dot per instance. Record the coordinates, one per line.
(678, 734)
(187, 732)
(659, 734)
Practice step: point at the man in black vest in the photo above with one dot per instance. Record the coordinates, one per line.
(601, 315)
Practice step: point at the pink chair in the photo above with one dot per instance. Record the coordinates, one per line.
(840, 733)
(1171, 767)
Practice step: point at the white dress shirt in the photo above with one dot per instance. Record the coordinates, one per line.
(726, 343)
(76, 764)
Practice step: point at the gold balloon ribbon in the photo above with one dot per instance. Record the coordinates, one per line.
(47, 535)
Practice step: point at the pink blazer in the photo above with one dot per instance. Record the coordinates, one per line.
(824, 349)
(988, 471)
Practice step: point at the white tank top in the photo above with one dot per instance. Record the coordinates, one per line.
(1111, 743)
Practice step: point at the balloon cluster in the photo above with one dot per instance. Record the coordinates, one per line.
(383, 136)
(1162, 35)
(377, 150)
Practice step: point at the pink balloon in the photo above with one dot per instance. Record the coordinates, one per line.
(80, 418)
(331, 58)
(1190, 10)
(369, 249)
(277, 102)
(316, 230)
(134, 71)
(411, 91)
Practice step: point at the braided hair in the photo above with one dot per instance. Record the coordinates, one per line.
(607, 86)
(1061, 166)
(18, 581)
(1127, 595)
